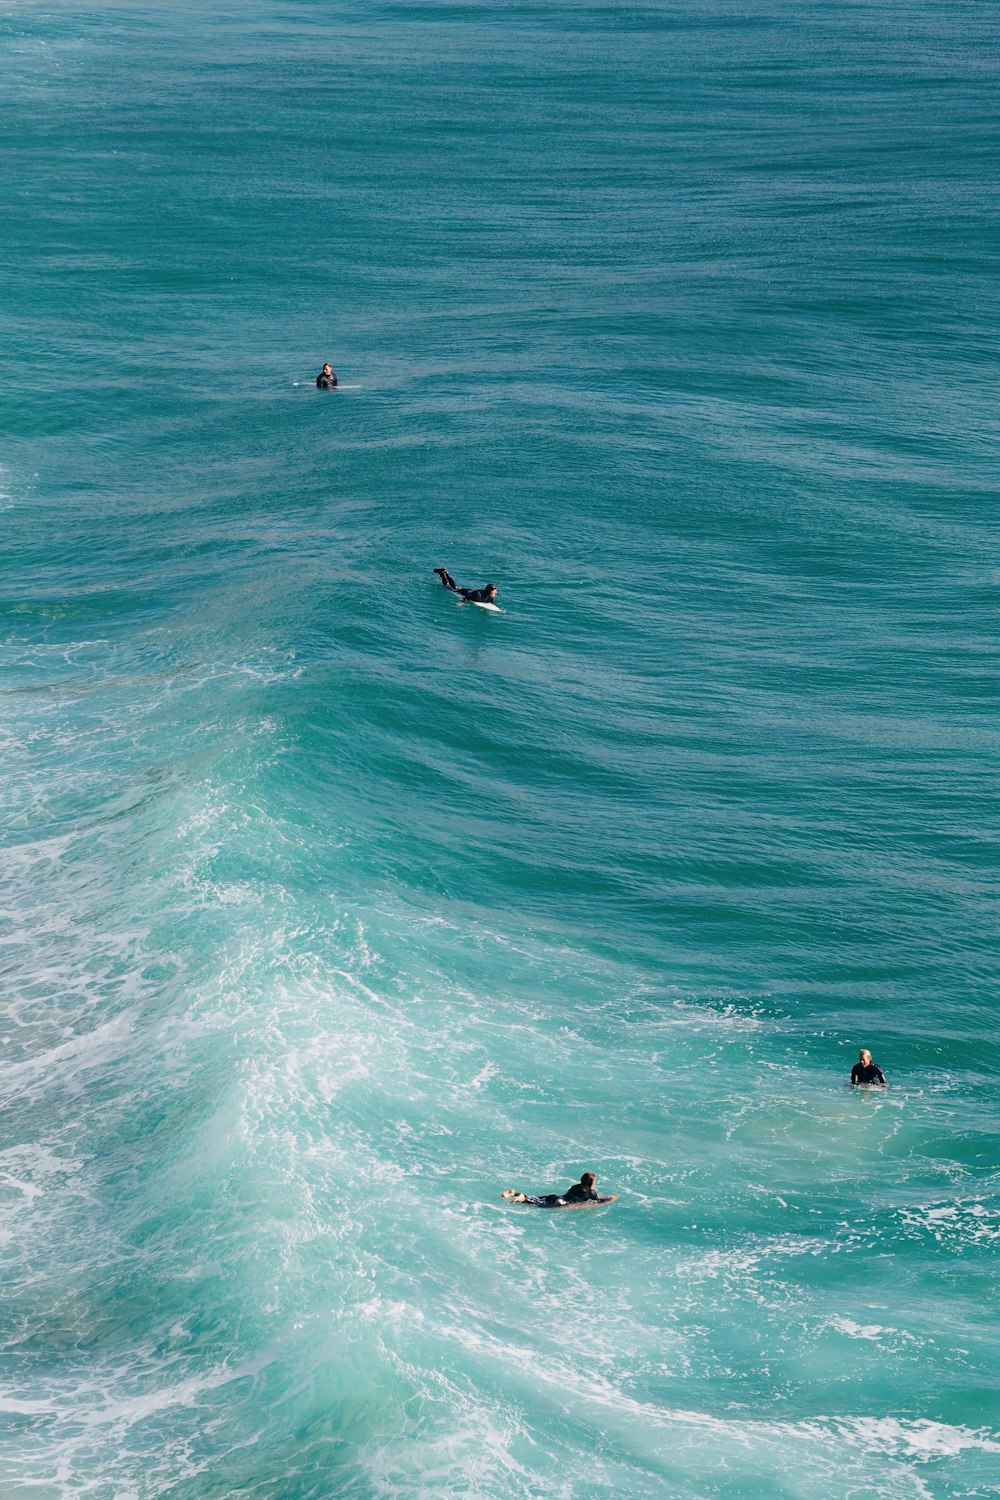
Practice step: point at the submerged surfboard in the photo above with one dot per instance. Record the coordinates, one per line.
(612, 1198)
(591, 1203)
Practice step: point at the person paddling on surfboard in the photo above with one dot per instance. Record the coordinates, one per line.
(326, 379)
(583, 1191)
(486, 595)
(866, 1071)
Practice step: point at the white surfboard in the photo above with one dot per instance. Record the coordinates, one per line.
(482, 604)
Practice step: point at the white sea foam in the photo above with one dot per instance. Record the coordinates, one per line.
(954, 1224)
(69, 1061)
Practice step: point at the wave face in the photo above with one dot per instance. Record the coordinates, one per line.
(330, 910)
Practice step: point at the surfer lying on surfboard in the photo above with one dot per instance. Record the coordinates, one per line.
(580, 1193)
(486, 595)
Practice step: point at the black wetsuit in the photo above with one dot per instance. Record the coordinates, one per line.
(471, 596)
(870, 1074)
(576, 1194)
(326, 382)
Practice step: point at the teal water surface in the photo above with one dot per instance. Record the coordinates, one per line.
(329, 910)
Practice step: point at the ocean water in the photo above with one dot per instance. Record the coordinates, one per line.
(329, 910)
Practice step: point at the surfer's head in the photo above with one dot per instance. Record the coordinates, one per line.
(866, 1057)
(327, 369)
(490, 589)
(588, 1179)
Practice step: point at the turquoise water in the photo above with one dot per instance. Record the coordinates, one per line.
(330, 910)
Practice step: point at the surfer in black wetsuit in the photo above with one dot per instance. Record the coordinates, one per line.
(486, 595)
(583, 1191)
(866, 1071)
(326, 379)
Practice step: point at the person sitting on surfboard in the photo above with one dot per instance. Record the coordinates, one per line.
(326, 379)
(486, 595)
(583, 1191)
(866, 1071)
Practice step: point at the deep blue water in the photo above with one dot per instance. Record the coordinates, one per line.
(329, 910)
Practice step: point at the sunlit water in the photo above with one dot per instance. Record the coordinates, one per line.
(330, 910)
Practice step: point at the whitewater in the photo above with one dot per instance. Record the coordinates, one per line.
(329, 910)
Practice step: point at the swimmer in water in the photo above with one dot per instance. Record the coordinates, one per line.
(326, 379)
(583, 1191)
(486, 595)
(866, 1071)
